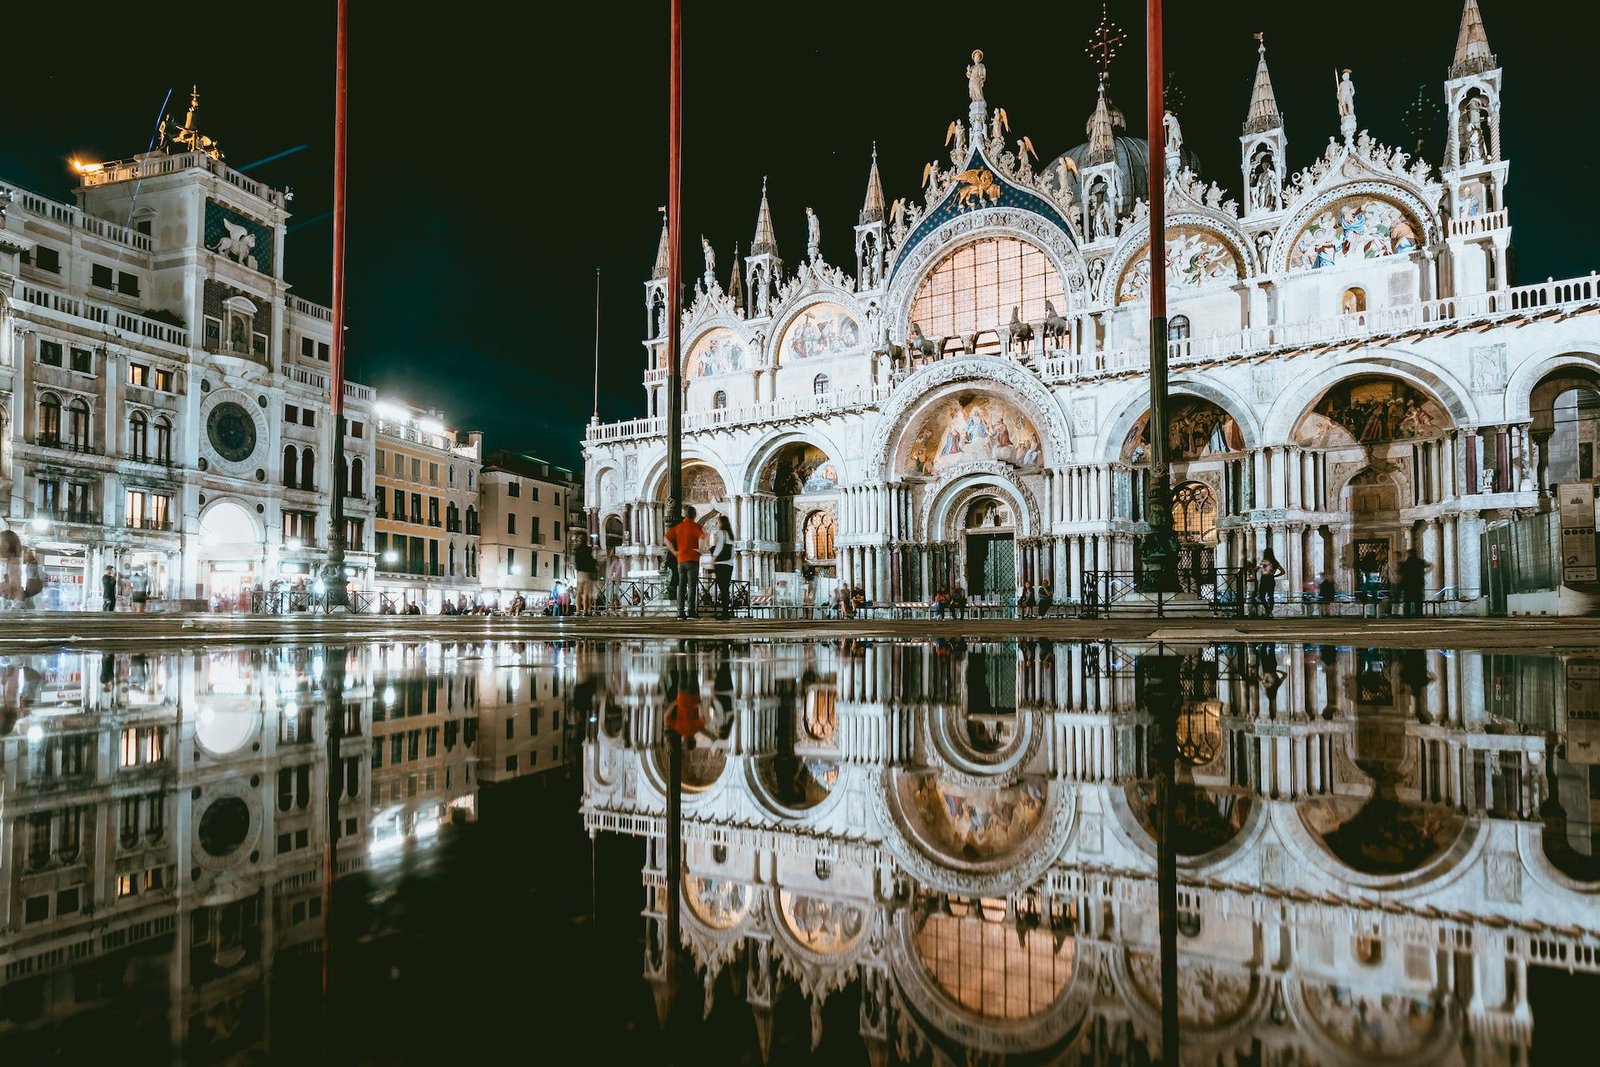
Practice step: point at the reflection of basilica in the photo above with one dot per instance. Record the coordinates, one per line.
(1355, 373)
(167, 821)
(1373, 847)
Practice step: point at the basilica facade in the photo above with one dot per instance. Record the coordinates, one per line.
(1353, 373)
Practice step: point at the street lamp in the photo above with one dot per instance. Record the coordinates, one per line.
(391, 556)
(40, 524)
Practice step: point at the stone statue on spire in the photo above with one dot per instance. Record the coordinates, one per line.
(711, 263)
(975, 76)
(1347, 104)
(813, 236)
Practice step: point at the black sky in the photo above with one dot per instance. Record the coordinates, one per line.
(493, 169)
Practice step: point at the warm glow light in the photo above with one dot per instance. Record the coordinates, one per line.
(430, 426)
(391, 556)
(35, 734)
(40, 524)
(83, 167)
(389, 412)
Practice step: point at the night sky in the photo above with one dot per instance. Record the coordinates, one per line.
(493, 169)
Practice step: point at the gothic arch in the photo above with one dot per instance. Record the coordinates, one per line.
(1115, 430)
(770, 445)
(799, 304)
(656, 472)
(911, 270)
(925, 387)
(1295, 403)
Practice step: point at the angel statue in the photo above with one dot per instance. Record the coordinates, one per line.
(711, 261)
(813, 236)
(1174, 141)
(975, 76)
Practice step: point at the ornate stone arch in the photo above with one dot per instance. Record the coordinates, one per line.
(1115, 430)
(1533, 369)
(770, 445)
(1014, 222)
(1136, 238)
(706, 325)
(960, 486)
(926, 386)
(650, 484)
(805, 298)
(1331, 190)
(1422, 373)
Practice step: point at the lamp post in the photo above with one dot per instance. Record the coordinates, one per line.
(1159, 549)
(337, 601)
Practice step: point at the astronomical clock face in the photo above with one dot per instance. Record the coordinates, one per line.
(232, 431)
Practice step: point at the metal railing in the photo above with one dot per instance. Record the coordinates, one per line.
(637, 594)
(304, 601)
(1216, 591)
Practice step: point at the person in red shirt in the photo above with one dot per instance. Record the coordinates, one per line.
(684, 539)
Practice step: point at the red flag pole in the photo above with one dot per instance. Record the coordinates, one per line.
(338, 481)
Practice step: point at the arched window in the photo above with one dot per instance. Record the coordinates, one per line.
(308, 469)
(291, 465)
(472, 520)
(163, 440)
(1178, 328)
(719, 400)
(975, 287)
(358, 477)
(1354, 301)
(49, 419)
(819, 531)
(820, 385)
(1194, 513)
(139, 436)
(78, 424)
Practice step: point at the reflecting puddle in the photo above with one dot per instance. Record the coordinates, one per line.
(917, 852)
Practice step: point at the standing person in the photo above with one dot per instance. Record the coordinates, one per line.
(108, 590)
(1268, 571)
(722, 561)
(615, 574)
(1326, 591)
(584, 562)
(1044, 600)
(1413, 574)
(11, 567)
(141, 590)
(1025, 604)
(958, 602)
(684, 539)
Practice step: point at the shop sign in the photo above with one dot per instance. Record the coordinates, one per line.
(1577, 532)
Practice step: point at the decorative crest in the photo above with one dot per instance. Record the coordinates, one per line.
(188, 134)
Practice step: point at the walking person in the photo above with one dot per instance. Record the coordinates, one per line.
(108, 590)
(1413, 575)
(1268, 571)
(684, 539)
(140, 595)
(722, 561)
(615, 574)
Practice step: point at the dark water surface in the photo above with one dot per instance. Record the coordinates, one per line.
(889, 852)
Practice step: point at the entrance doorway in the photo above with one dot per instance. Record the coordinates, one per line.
(991, 551)
(1194, 522)
(1372, 568)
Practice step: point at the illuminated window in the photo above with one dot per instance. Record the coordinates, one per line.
(1178, 328)
(819, 533)
(1194, 513)
(976, 286)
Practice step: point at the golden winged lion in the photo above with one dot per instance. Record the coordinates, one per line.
(976, 185)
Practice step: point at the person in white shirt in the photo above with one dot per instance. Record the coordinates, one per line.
(722, 561)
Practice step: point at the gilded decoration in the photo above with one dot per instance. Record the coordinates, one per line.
(719, 351)
(1354, 228)
(820, 330)
(1195, 258)
(970, 823)
(1196, 428)
(824, 926)
(798, 469)
(1371, 411)
(972, 427)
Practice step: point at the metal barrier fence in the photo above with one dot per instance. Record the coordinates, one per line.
(637, 594)
(297, 601)
(1217, 591)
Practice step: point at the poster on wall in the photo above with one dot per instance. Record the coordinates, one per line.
(1577, 532)
(1583, 711)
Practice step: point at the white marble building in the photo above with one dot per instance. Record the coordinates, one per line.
(156, 374)
(1353, 372)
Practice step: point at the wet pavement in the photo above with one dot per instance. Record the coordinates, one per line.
(385, 848)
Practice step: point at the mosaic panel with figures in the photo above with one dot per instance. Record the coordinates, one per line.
(821, 330)
(1355, 228)
(717, 352)
(1195, 258)
(1369, 411)
(798, 469)
(970, 428)
(1195, 428)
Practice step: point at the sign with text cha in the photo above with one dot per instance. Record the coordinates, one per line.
(1577, 532)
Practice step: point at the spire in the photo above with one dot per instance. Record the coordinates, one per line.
(1472, 44)
(1102, 135)
(1264, 114)
(660, 270)
(872, 210)
(765, 243)
(735, 283)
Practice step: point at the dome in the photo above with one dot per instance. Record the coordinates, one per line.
(1133, 168)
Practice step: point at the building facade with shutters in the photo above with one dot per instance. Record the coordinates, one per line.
(1354, 373)
(426, 508)
(164, 398)
(528, 506)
